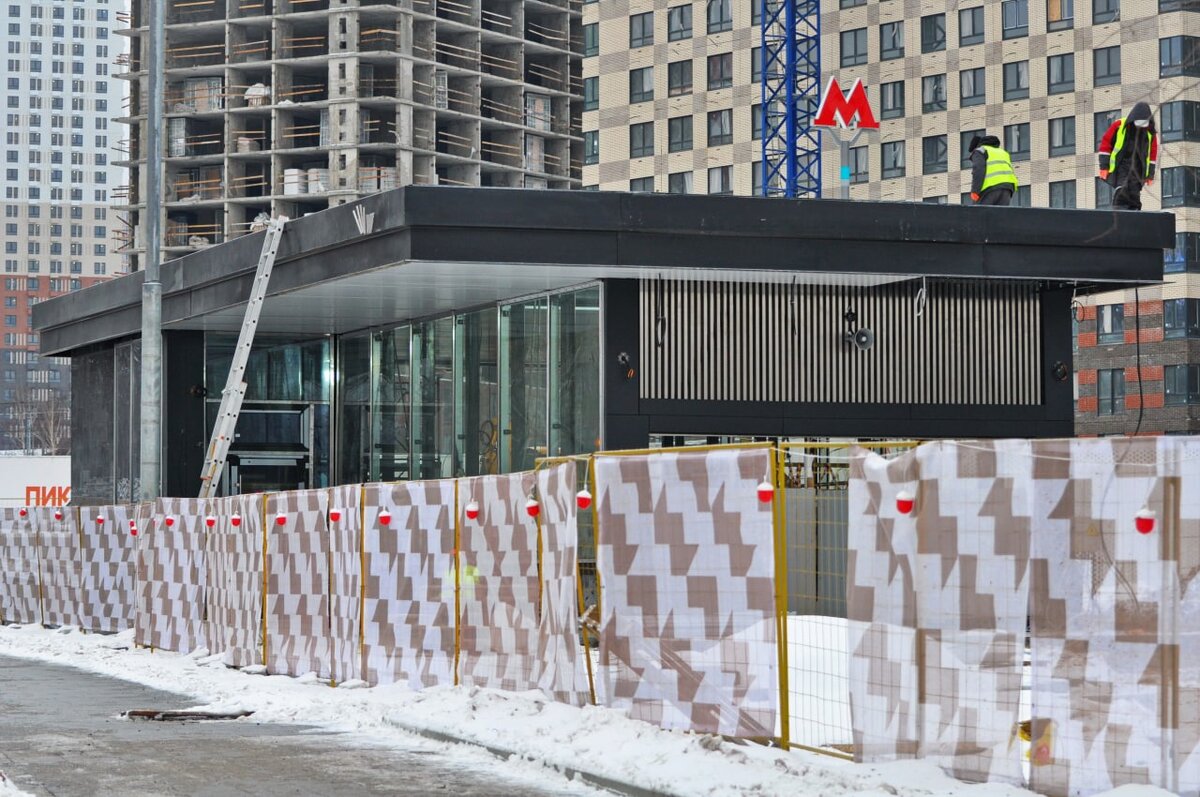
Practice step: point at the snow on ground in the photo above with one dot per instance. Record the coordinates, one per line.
(8, 789)
(598, 740)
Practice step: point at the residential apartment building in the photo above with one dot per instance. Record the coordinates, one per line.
(286, 107)
(59, 174)
(671, 94)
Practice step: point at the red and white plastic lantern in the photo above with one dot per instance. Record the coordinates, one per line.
(583, 499)
(58, 514)
(335, 515)
(532, 507)
(280, 519)
(905, 502)
(210, 521)
(132, 529)
(170, 521)
(99, 520)
(472, 510)
(1144, 520)
(235, 520)
(22, 511)
(385, 518)
(766, 491)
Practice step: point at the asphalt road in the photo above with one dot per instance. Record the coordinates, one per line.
(61, 734)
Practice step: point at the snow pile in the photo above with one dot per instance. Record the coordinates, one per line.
(9, 789)
(558, 737)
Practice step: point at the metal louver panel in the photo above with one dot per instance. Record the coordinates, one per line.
(975, 343)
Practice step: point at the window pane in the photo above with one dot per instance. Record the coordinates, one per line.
(891, 42)
(523, 405)
(970, 26)
(933, 33)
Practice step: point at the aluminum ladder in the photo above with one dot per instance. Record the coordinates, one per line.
(235, 386)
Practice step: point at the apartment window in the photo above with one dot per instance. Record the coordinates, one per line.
(1060, 14)
(1181, 384)
(756, 65)
(679, 23)
(1110, 323)
(1014, 17)
(679, 183)
(756, 122)
(935, 200)
(1022, 197)
(1181, 318)
(1185, 256)
(1062, 136)
(641, 84)
(1062, 194)
(1180, 186)
(891, 155)
(1177, 55)
(720, 15)
(1100, 124)
(858, 165)
(854, 47)
(679, 132)
(933, 154)
(933, 93)
(933, 33)
(891, 42)
(720, 71)
(1179, 121)
(720, 128)
(851, 3)
(1016, 141)
(1105, 11)
(1016, 80)
(972, 87)
(591, 39)
(891, 95)
(641, 29)
(591, 146)
(641, 140)
(1060, 73)
(1110, 391)
(679, 78)
(642, 185)
(1106, 70)
(720, 180)
(964, 141)
(591, 93)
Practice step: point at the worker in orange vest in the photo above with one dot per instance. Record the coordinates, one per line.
(1128, 155)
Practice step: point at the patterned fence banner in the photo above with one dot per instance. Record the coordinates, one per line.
(108, 557)
(498, 584)
(1187, 625)
(973, 529)
(1102, 598)
(408, 614)
(881, 608)
(170, 610)
(563, 671)
(234, 578)
(687, 567)
(59, 557)
(345, 535)
(19, 597)
(298, 583)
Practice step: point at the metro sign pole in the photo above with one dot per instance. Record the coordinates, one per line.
(845, 111)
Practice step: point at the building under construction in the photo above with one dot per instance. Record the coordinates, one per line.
(286, 107)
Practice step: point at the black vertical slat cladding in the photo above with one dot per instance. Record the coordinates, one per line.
(734, 341)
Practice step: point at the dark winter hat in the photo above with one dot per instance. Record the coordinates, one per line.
(976, 140)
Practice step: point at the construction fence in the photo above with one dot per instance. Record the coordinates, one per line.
(1014, 611)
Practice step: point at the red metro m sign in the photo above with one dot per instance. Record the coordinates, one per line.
(843, 110)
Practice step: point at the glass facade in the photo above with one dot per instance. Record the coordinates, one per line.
(488, 391)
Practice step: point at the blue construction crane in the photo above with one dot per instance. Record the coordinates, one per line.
(791, 92)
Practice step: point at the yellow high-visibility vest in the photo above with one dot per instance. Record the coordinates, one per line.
(1120, 142)
(999, 169)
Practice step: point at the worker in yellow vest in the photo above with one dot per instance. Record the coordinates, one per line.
(993, 181)
(1128, 154)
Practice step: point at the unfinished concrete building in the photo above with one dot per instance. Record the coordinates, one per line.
(292, 106)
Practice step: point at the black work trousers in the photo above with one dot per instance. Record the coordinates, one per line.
(999, 195)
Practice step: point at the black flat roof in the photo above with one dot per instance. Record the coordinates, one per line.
(421, 250)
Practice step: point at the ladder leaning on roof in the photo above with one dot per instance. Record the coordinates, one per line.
(235, 386)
